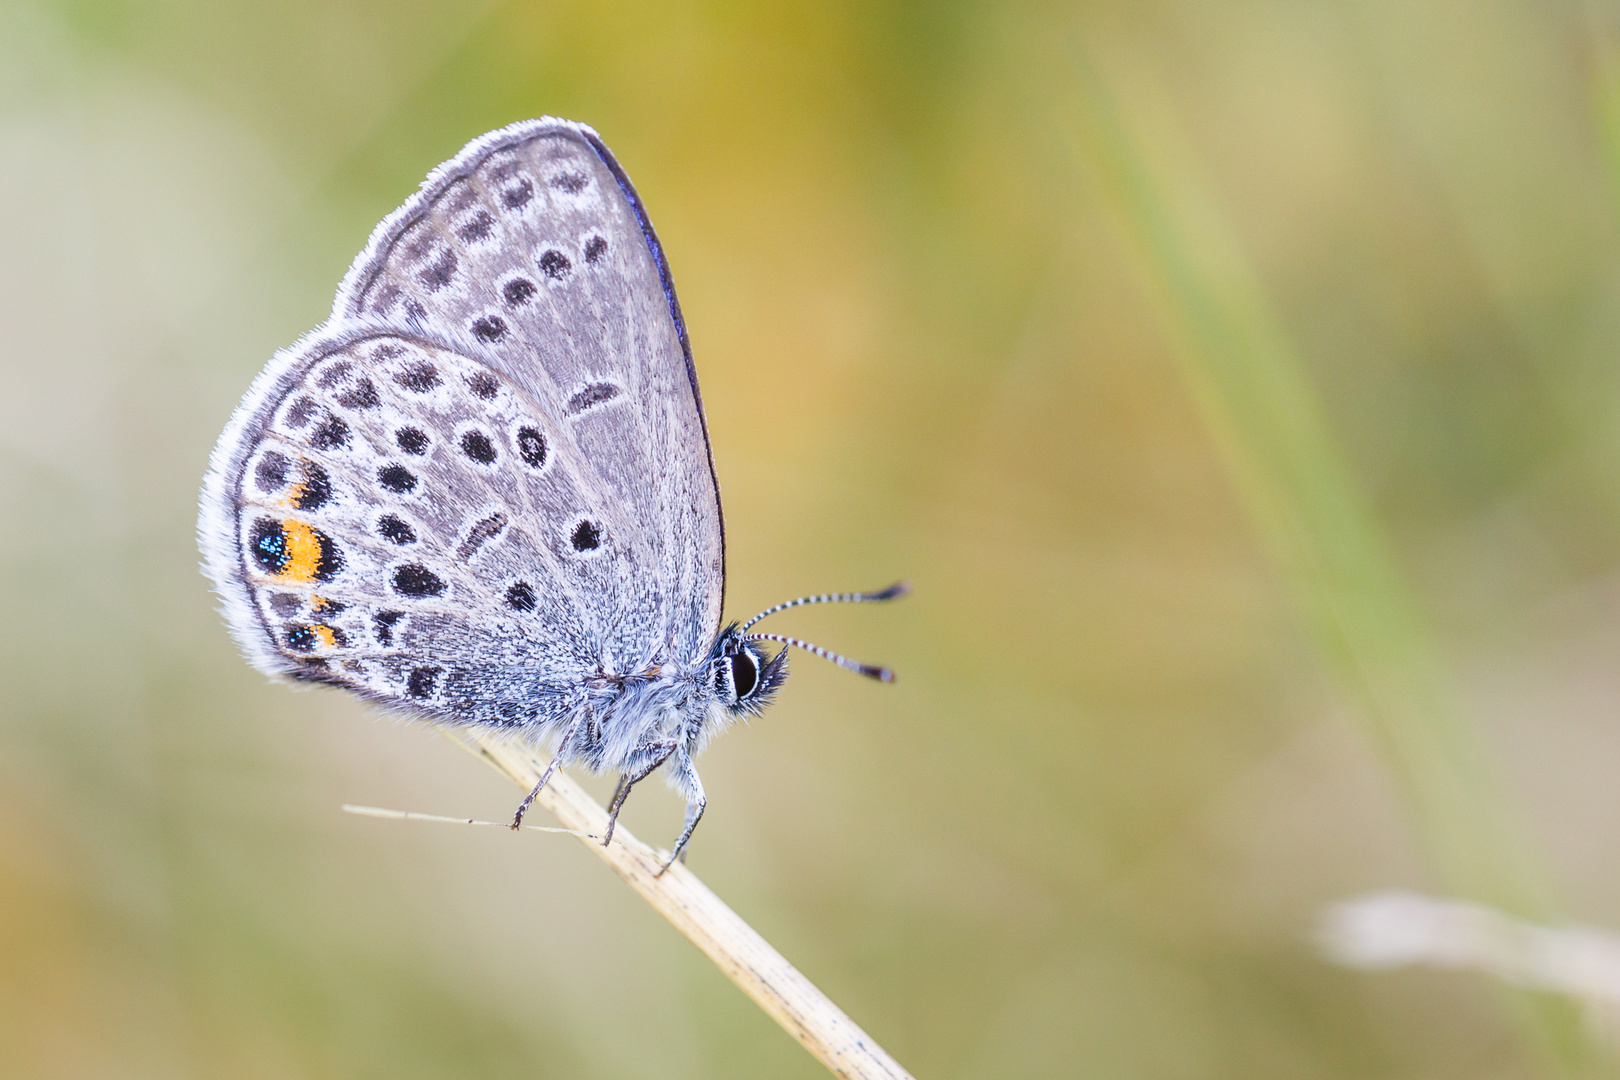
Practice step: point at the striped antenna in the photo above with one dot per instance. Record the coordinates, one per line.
(882, 674)
(898, 589)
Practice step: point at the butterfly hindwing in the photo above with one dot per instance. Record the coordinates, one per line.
(408, 525)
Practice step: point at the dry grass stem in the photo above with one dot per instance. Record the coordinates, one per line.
(735, 947)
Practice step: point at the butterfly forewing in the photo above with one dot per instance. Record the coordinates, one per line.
(528, 254)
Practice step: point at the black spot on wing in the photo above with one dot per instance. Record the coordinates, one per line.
(395, 530)
(587, 536)
(517, 291)
(591, 396)
(421, 682)
(571, 182)
(478, 228)
(516, 192)
(440, 273)
(331, 435)
(314, 490)
(396, 478)
(520, 596)
(382, 625)
(270, 474)
(419, 377)
(334, 374)
(531, 447)
(476, 445)
(414, 579)
(329, 560)
(490, 328)
(595, 248)
(269, 546)
(362, 395)
(480, 534)
(555, 265)
(412, 440)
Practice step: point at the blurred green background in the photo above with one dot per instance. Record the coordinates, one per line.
(1236, 382)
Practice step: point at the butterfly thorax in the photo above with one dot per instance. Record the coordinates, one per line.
(628, 721)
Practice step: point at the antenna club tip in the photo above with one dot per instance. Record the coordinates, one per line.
(893, 592)
(881, 674)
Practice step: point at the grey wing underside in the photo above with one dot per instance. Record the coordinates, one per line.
(558, 517)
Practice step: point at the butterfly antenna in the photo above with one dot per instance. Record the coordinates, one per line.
(898, 589)
(881, 674)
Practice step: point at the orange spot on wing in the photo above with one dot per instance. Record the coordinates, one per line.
(303, 553)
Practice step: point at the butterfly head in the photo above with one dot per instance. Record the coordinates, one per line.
(745, 678)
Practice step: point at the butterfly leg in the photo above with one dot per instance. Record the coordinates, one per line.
(661, 752)
(562, 744)
(686, 776)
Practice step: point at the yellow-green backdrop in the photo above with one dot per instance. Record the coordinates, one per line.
(1237, 383)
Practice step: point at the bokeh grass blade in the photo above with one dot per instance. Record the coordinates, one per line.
(1311, 517)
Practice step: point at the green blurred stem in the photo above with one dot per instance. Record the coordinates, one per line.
(1311, 516)
(1606, 96)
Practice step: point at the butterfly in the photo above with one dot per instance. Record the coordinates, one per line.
(482, 492)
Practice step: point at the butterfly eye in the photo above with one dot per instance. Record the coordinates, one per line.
(744, 674)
